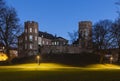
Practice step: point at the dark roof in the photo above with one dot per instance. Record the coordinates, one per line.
(50, 36)
(46, 35)
(61, 38)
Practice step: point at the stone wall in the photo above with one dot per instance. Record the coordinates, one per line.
(63, 49)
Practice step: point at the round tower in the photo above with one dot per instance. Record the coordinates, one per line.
(85, 34)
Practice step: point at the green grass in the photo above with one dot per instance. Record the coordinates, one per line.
(57, 72)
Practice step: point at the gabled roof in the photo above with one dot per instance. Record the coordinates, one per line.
(46, 35)
(61, 38)
(50, 36)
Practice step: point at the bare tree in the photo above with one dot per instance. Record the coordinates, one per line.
(73, 36)
(9, 26)
(116, 34)
(102, 37)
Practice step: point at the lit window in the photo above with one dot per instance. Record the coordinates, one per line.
(30, 37)
(30, 29)
(47, 42)
(55, 43)
(39, 40)
(35, 30)
(31, 46)
(36, 38)
(43, 42)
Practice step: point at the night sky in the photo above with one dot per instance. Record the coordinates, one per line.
(62, 16)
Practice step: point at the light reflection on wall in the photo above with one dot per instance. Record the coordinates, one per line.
(3, 57)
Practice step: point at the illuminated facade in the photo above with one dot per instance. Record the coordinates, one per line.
(30, 41)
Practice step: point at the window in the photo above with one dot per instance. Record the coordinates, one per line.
(25, 46)
(35, 38)
(31, 46)
(30, 29)
(25, 37)
(86, 32)
(64, 43)
(26, 30)
(47, 43)
(30, 37)
(35, 30)
(82, 33)
(43, 42)
(39, 40)
(55, 43)
(52, 43)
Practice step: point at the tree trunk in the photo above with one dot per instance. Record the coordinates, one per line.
(8, 54)
(101, 59)
(119, 55)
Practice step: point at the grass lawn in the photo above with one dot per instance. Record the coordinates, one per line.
(58, 72)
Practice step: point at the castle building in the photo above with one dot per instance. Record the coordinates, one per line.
(28, 41)
(48, 39)
(32, 39)
(85, 34)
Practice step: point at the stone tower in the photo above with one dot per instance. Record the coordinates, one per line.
(31, 38)
(85, 34)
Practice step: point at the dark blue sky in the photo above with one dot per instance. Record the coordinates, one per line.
(62, 16)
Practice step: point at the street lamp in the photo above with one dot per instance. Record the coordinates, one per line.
(38, 59)
(111, 59)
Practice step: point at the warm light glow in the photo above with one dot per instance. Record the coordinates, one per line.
(103, 66)
(3, 47)
(38, 57)
(60, 67)
(111, 58)
(3, 57)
